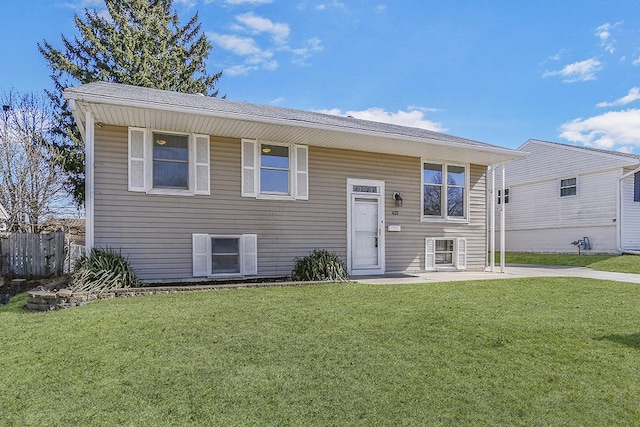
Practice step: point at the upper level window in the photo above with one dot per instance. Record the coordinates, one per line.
(274, 171)
(170, 161)
(568, 187)
(444, 191)
(636, 187)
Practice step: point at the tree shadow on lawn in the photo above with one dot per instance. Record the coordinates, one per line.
(631, 340)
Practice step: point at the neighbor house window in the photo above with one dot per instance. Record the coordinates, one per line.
(225, 255)
(444, 191)
(506, 196)
(274, 171)
(168, 163)
(568, 187)
(636, 187)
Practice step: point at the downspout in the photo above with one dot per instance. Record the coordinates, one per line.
(88, 176)
(619, 215)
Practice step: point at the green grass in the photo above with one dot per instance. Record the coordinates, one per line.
(552, 351)
(619, 263)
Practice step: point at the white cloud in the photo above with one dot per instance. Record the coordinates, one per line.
(239, 45)
(258, 25)
(636, 61)
(333, 4)
(380, 8)
(413, 117)
(309, 47)
(608, 130)
(578, 71)
(603, 32)
(247, 1)
(633, 95)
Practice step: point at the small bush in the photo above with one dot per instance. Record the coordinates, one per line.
(103, 269)
(320, 265)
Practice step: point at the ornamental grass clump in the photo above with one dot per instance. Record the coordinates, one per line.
(102, 270)
(320, 265)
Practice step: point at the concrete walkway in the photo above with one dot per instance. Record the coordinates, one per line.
(511, 272)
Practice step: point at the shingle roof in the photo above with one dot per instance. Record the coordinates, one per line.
(595, 150)
(205, 103)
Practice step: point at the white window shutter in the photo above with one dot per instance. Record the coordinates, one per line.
(430, 254)
(137, 159)
(201, 265)
(302, 172)
(249, 254)
(461, 254)
(249, 169)
(203, 170)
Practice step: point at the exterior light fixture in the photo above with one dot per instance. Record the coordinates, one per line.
(397, 198)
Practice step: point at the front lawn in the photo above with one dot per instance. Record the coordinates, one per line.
(619, 263)
(552, 351)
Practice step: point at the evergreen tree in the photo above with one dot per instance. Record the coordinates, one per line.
(140, 42)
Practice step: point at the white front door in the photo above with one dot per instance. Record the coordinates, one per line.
(366, 227)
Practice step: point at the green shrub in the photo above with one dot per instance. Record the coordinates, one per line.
(102, 270)
(320, 265)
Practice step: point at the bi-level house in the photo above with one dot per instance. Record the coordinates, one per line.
(192, 187)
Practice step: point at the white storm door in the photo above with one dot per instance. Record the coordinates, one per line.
(366, 224)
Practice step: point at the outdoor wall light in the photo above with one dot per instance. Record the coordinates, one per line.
(397, 198)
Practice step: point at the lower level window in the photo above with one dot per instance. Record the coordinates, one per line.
(444, 252)
(225, 255)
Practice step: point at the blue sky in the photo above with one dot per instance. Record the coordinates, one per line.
(495, 71)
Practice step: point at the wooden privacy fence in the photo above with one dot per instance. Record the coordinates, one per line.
(30, 256)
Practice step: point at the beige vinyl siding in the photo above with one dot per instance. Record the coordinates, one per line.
(155, 231)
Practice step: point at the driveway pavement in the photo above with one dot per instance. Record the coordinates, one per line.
(511, 272)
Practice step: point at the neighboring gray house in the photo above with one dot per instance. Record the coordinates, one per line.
(562, 195)
(191, 187)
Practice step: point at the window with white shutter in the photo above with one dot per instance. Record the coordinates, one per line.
(274, 170)
(445, 253)
(225, 255)
(168, 163)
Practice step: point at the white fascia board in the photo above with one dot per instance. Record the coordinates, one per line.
(505, 154)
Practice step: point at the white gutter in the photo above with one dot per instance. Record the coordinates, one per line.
(619, 213)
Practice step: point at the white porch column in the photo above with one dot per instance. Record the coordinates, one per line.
(88, 183)
(502, 219)
(492, 219)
